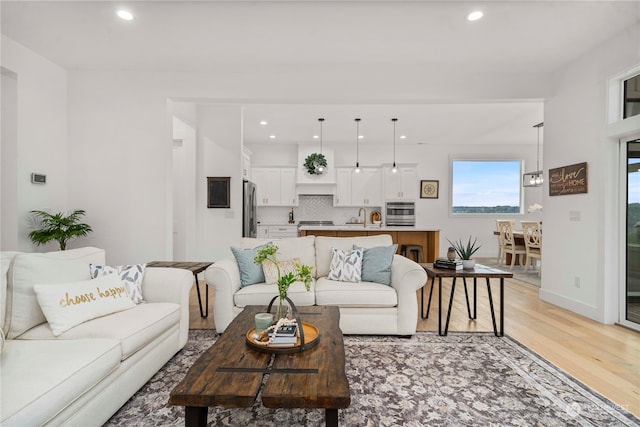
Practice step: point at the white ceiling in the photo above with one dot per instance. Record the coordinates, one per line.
(201, 36)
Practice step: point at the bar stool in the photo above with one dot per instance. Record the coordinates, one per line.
(407, 250)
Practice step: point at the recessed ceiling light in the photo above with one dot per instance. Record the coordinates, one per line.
(125, 14)
(403, 136)
(360, 136)
(264, 122)
(316, 136)
(272, 136)
(475, 15)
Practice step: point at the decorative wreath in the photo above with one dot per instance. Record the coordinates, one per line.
(313, 161)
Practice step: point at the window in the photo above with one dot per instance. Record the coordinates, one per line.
(631, 97)
(486, 187)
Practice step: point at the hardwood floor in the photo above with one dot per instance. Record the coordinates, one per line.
(195, 321)
(604, 357)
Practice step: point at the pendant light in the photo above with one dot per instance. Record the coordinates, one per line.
(394, 169)
(534, 179)
(320, 167)
(357, 169)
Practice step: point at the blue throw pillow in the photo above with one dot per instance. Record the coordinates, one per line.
(376, 264)
(250, 272)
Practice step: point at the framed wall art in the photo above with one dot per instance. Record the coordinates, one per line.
(571, 179)
(218, 189)
(429, 189)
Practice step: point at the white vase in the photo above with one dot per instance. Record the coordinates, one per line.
(468, 264)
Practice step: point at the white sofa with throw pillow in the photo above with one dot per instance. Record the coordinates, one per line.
(75, 349)
(367, 306)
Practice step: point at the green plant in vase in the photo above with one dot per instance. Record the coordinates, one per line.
(465, 250)
(302, 274)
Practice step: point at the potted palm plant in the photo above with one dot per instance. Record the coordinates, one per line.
(58, 227)
(465, 251)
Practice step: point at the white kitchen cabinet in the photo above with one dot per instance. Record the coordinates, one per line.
(282, 231)
(275, 186)
(288, 195)
(277, 231)
(402, 185)
(263, 231)
(366, 187)
(358, 189)
(343, 187)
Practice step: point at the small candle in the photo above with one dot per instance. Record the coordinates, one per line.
(263, 321)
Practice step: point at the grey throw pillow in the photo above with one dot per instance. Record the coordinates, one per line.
(250, 272)
(376, 264)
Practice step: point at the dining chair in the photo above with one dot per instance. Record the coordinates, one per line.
(501, 244)
(508, 241)
(532, 231)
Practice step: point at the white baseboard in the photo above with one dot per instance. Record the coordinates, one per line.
(572, 305)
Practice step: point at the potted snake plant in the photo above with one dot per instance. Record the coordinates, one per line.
(465, 251)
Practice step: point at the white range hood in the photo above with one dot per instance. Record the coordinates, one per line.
(315, 189)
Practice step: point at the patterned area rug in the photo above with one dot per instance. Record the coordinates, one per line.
(428, 380)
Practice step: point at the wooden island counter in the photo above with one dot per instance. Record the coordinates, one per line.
(428, 238)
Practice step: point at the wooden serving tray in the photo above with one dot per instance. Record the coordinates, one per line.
(311, 338)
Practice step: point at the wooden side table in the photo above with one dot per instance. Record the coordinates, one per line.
(480, 271)
(195, 268)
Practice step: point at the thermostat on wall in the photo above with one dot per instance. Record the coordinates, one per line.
(38, 178)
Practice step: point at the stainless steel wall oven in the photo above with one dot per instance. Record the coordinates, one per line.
(400, 214)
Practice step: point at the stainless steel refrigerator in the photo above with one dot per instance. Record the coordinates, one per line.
(249, 215)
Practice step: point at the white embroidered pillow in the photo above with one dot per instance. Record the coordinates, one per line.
(131, 276)
(346, 266)
(69, 304)
(271, 272)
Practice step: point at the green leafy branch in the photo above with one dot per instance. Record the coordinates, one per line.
(303, 271)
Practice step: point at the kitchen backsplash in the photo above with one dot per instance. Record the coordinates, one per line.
(311, 208)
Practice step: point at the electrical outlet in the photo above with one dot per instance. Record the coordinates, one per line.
(576, 281)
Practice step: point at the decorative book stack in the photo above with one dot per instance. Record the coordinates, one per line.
(449, 265)
(286, 334)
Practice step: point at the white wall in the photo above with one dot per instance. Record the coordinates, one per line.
(9, 159)
(575, 131)
(42, 145)
(184, 194)
(120, 153)
(219, 154)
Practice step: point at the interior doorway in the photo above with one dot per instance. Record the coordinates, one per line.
(184, 193)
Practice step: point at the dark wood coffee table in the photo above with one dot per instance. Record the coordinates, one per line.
(229, 374)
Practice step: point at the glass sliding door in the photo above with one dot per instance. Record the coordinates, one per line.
(630, 313)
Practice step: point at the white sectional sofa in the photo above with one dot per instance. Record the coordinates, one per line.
(84, 375)
(365, 307)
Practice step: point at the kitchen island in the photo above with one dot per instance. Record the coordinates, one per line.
(428, 238)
